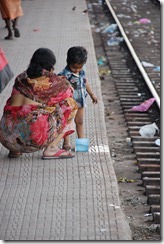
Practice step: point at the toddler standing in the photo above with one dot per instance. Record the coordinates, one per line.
(74, 72)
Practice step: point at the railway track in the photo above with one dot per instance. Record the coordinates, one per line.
(141, 33)
(134, 63)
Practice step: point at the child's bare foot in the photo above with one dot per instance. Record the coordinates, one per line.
(68, 147)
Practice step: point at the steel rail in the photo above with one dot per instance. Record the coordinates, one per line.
(142, 70)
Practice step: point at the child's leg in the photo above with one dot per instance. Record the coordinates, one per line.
(66, 143)
(79, 129)
(79, 122)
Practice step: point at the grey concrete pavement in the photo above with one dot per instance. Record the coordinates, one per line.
(69, 199)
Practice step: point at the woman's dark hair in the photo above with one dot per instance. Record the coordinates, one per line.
(43, 58)
(76, 55)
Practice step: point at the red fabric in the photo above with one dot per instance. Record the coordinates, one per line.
(39, 129)
(14, 91)
(32, 127)
(61, 96)
(3, 60)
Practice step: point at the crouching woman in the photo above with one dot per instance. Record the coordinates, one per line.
(40, 111)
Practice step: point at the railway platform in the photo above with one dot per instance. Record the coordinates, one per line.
(69, 199)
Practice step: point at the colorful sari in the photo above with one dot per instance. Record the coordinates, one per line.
(32, 127)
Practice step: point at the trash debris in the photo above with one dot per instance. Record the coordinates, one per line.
(97, 30)
(143, 106)
(142, 31)
(85, 11)
(113, 154)
(148, 130)
(115, 206)
(116, 33)
(37, 29)
(157, 142)
(145, 64)
(153, 227)
(101, 61)
(110, 29)
(130, 217)
(133, 7)
(148, 214)
(129, 140)
(103, 230)
(123, 16)
(144, 21)
(156, 68)
(136, 22)
(111, 205)
(114, 41)
(103, 72)
(124, 179)
(133, 200)
(139, 32)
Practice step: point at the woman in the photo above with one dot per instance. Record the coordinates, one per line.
(11, 10)
(40, 110)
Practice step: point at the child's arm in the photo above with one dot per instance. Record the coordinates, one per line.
(91, 94)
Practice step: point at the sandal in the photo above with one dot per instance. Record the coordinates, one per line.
(59, 155)
(14, 154)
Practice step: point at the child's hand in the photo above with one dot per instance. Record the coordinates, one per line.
(94, 98)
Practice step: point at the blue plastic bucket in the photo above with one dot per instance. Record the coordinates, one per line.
(82, 145)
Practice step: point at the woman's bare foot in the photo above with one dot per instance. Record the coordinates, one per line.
(13, 154)
(52, 151)
(56, 154)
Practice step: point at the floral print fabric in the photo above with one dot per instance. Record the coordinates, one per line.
(32, 127)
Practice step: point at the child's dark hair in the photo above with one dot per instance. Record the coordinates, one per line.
(43, 58)
(76, 55)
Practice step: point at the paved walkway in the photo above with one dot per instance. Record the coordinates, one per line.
(70, 199)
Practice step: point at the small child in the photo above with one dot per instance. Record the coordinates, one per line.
(74, 72)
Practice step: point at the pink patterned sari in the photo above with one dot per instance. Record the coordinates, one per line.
(29, 128)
